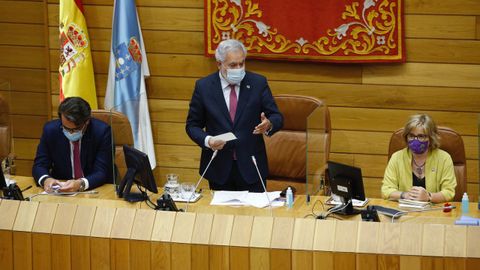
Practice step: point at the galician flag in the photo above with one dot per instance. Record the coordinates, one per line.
(76, 68)
(126, 76)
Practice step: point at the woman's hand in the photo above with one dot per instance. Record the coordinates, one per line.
(418, 194)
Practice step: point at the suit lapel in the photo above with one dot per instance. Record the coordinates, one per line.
(217, 93)
(245, 88)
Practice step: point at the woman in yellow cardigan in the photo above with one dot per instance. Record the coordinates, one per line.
(421, 171)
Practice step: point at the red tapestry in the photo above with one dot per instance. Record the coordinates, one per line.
(350, 31)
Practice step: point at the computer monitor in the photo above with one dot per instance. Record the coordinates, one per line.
(139, 172)
(346, 182)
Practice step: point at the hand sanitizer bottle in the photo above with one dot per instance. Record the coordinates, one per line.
(289, 197)
(465, 203)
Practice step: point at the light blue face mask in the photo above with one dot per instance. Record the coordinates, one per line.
(235, 75)
(73, 137)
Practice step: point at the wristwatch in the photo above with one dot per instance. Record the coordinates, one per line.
(82, 185)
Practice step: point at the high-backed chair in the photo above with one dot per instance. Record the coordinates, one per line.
(286, 148)
(451, 142)
(5, 130)
(122, 134)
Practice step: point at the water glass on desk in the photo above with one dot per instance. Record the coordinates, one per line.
(172, 185)
(187, 190)
(8, 169)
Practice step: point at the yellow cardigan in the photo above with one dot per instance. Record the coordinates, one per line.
(439, 173)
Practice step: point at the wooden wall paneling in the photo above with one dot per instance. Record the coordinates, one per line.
(21, 34)
(61, 231)
(453, 51)
(22, 57)
(99, 241)
(21, 12)
(178, 156)
(169, 110)
(161, 236)
(410, 262)
(433, 244)
(281, 243)
(260, 242)
(16, 77)
(478, 26)
(22, 237)
(182, 241)
(29, 103)
(370, 119)
(120, 235)
(345, 244)
(9, 209)
(439, 27)
(323, 244)
(473, 249)
(448, 75)
(240, 241)
(221, 233)
(302, 243)
(25, 148)
(200, 239)
(385, 96)
(27, 126)
(455, 242)
(79, 239)
(454, 263)
(140, 246)
(442, 7)
(367, 243)
(41, 237)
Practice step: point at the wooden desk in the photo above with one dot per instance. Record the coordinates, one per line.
(87, 232)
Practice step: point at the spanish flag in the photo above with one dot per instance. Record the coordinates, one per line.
(76, 69)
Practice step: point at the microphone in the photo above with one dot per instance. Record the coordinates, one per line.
(201, 177)
(264, 188)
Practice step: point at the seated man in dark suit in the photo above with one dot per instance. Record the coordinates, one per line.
(75, 148)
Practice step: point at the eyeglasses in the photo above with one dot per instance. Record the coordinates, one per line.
(420, 137)
(73, 130)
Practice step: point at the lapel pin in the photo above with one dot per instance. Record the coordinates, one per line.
(248, 86)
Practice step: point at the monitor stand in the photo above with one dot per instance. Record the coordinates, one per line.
(348, 210)
(135, 197)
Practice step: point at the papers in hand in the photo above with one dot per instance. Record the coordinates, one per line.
(245, 198)
(355, 202)
(229, 136)
(404, 203)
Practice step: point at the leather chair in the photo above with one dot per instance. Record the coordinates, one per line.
(286, 149)
(5, 129)
(122, 134)
(452, 143)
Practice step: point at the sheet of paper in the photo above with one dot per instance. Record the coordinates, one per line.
(229, 136)
(245, 198)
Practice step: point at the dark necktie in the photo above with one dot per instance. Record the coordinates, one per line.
(233, 102)
(77, 166)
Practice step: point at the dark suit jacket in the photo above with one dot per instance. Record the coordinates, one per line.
(208, 115)
(53, 153)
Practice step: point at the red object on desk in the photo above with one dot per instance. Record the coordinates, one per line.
(446, 209)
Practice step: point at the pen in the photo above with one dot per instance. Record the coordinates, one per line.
(27, 188)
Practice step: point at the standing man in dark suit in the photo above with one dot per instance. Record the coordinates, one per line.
(75, 148)
(236, 101)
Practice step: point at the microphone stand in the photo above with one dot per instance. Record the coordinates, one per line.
(264, 188)
(201, 177)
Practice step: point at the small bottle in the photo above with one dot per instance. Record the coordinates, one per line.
(289, 197)
(465, 204)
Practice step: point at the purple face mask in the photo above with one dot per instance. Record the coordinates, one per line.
(417, 146)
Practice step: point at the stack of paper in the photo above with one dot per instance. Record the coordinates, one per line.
(245, 198)
(404, 203)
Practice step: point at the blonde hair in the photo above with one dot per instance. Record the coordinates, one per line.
(429, 127)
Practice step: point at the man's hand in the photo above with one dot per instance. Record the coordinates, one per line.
(418, 194)
(216, 144)
(71, 185)
(49, 183)
(264, 126)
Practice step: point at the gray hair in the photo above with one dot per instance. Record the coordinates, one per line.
(226, 46)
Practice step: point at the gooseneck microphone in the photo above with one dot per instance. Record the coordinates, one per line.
(199, 180)
(263, 185)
